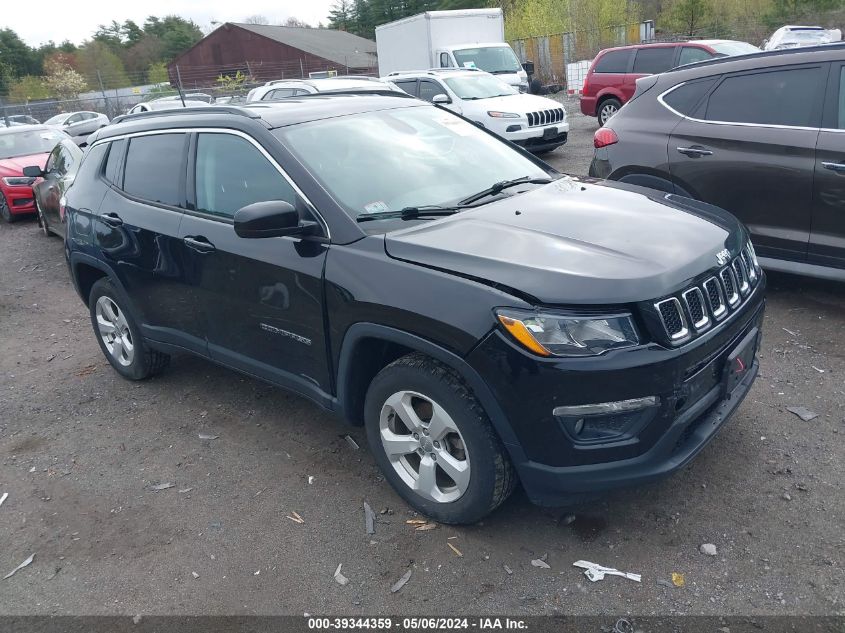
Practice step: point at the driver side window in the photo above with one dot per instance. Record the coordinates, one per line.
(430, 89)
(76, 118)
(232, 173)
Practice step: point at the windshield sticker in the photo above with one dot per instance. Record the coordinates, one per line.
(469, 65)
(378, 206)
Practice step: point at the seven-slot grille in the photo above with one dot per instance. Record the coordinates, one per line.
(546, 117)
(702, 305)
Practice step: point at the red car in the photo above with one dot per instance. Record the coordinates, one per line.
(22, 146)
(611, 80)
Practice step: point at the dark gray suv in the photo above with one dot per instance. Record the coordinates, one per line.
(761, 135)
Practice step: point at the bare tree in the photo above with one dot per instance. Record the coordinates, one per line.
(292, 21)
(256, 19)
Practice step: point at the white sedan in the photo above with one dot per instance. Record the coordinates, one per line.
(536, 123)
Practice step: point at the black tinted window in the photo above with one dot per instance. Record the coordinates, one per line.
(232, 173)
(692, 54)
(113, 161)
(409, 86)
(613, 62)
(783, 97)
(154, 167)
(651, 61)
(841, 109)
(685, 98)
(430, 89)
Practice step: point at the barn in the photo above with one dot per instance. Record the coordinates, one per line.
(266, 52)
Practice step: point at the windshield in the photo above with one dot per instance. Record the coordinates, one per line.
(27, 142)
(493, 59)
(406, 157)
(734, 48)
(57, 120)
(479, 87)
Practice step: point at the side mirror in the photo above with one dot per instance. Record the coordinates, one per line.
(441, 98)
(272, 218)
(33, 171)
(528, 67)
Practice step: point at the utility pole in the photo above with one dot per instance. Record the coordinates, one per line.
(301, 69)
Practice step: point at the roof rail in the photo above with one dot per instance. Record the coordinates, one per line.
(222, 109)
(387, 92)
(430, 71)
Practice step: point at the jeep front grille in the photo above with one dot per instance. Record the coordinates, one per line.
(546, 117)
(699, 306)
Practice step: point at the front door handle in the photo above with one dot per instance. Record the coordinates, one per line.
(840, 167)
(694, 152)
(199, 244)
(112, 219)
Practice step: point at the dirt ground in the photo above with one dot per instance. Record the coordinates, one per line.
(81, 450)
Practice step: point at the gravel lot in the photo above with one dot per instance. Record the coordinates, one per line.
(81, 449)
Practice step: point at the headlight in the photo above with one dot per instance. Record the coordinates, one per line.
(551, 334)
(503, 115)
(18, 181)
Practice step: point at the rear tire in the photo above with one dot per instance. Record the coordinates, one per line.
(119, 336)
(434, 443)
(607, 109)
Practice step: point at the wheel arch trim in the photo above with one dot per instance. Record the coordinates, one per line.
(363, 330)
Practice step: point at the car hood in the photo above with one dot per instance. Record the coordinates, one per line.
(520, 104)
(14, 166)
(574, 242)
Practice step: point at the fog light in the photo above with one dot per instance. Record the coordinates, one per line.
(607, 421)
(514, 128)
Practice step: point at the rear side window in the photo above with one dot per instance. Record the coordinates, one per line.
(685, 98)
(613, 62)
(409, 86)
(782, 97)
(154, 166)
(112, 172)
(650, 61)
(841, 109)
(692, 54)
(232, 173)
(279, 93)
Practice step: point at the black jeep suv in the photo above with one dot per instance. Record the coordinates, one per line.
(487, 319)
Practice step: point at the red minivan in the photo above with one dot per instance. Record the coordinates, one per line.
(613, 75)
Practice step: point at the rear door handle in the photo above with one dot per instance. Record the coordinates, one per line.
(694, 152)
(112, 219)
(199, 244)
(840, 167)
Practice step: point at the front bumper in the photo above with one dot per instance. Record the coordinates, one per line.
(556, 469)
(21, 199)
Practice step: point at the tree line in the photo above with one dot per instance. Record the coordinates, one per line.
(117, 55)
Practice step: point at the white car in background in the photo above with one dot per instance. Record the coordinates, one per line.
(285, 88)
(165, 103)
(79, 125)
(536, 123)
(796, 36)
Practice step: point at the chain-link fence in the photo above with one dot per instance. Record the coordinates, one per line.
(220, 84)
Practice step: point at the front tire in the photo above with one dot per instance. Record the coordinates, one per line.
(607, 109)
(434, 443)
(5, 212)
(119, 336)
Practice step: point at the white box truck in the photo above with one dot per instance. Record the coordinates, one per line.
(470, 38)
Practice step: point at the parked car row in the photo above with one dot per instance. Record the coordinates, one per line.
(761, 135)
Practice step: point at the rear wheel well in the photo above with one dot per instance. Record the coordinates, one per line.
(86, 277)
(604, 98)
(369, 357)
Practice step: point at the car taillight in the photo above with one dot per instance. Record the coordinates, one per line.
(603, 137)
(585, 87)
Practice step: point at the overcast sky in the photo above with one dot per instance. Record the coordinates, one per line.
(77, 20)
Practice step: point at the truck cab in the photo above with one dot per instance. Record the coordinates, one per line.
(495, 58)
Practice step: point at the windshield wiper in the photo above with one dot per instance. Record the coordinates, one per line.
(502, 71)
(409, 213)
(501, 186)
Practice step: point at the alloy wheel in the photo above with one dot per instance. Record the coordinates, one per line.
(607, 111)
(424, 446)
(5, 213)
(114, 331)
